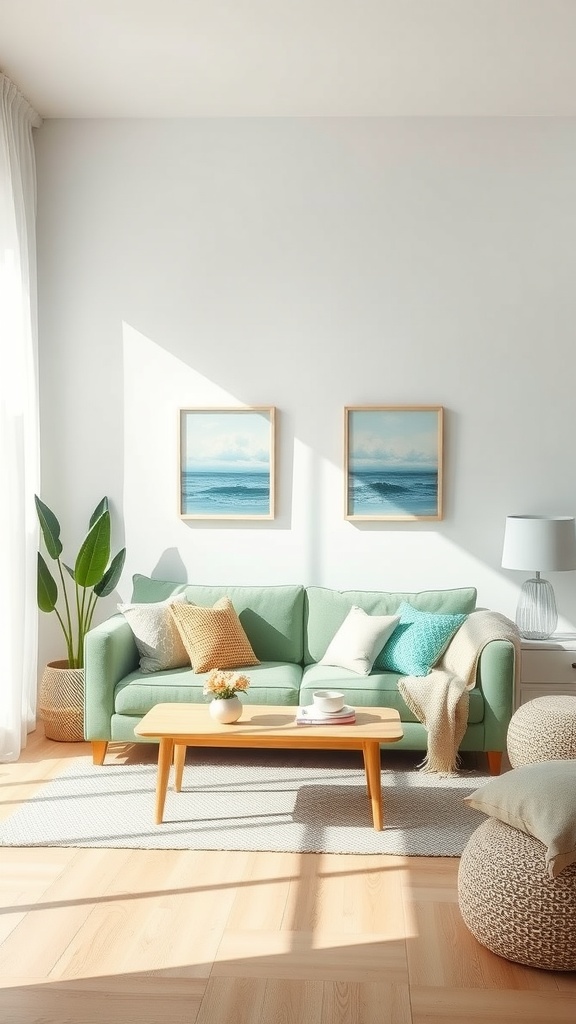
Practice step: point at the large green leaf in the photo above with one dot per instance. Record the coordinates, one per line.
(112, 575)
(50, 528)
(47, 590)
(94, 553)
(100, 508)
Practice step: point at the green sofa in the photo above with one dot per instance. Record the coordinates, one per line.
(289, 628)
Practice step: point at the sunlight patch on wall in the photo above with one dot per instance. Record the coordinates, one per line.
(156, 386)
(309, 541)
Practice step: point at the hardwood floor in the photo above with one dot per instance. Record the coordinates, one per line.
(122, 936)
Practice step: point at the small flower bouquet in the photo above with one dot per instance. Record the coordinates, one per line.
(222, 685)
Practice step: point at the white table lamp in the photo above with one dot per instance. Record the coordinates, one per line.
(538, 544)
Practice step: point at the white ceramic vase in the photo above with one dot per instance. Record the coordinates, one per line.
(226, 710)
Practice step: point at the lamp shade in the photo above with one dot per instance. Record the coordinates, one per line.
(539, 543)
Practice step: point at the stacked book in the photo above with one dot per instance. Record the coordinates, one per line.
(310, 715)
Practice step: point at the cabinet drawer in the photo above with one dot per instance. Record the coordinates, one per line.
(556, 667)
(532, 690)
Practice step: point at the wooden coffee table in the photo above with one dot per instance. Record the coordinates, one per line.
(178, 726)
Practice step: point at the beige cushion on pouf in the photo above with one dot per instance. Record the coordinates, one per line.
(538, 799)
(541, 730)
(511, 904)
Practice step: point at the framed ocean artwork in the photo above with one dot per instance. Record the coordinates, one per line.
(393, 462)
(227, 463)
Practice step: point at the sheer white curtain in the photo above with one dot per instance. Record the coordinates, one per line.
(19, 435)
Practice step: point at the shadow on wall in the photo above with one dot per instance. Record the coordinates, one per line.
(170, 567)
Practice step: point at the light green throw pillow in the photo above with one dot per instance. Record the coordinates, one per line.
(540, 800)
(418, 641)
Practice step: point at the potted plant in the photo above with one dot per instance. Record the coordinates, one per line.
(223, 687)
(61, 698)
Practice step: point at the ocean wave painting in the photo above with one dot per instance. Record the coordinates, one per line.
(394, 462)
(394, 493)
(221, 494)
(227, 463)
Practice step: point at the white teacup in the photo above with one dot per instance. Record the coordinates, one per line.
(328, 700)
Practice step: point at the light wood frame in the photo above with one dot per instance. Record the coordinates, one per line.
(223, 450)
(393, 462)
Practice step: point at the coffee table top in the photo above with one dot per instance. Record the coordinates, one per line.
(262, 725)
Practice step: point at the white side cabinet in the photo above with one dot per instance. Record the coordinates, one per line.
(548, 667)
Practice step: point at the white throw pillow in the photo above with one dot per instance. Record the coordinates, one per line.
(157, 638)
(359, 640)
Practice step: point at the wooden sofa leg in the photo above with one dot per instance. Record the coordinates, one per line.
(494, 761)
(99, 748)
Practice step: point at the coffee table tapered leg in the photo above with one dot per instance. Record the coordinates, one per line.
(372, 763)
(366, 772)
(179, 759)
(166, 748)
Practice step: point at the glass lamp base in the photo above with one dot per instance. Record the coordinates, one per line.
(536, 614)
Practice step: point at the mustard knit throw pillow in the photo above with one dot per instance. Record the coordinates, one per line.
(213, 637)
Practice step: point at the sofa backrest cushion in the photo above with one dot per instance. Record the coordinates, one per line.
(325, 610)
(272, 617)
(145, 589)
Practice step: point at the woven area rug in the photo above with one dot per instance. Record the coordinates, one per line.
(288, 801)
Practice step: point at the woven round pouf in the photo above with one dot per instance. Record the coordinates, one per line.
(510, 903)
(543, 729)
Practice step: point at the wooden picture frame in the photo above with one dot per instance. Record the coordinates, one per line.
(393, 456)
(227, 463)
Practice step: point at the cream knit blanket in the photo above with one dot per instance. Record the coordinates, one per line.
(440, 700)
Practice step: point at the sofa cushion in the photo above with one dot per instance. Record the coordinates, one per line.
(272, 617)
(270, 683)
(213, 637)
(326, 609)
(537, 799)
(379, 689)
(146, 589)
(358, 641)
(418, 641)
(157, 637)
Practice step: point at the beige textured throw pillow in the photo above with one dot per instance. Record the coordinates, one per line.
(213, 637)
(360, 638)
(539, 799)
(157, 638)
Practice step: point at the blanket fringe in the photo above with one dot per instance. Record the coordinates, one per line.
(431, 765)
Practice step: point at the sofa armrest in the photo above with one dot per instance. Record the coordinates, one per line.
(110, 653)
(495, 676)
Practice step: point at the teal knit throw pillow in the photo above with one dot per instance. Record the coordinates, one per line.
(419, 639)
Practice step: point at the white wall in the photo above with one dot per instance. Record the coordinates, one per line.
(309, 265)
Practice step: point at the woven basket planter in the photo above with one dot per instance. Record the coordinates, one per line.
(61, 702)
